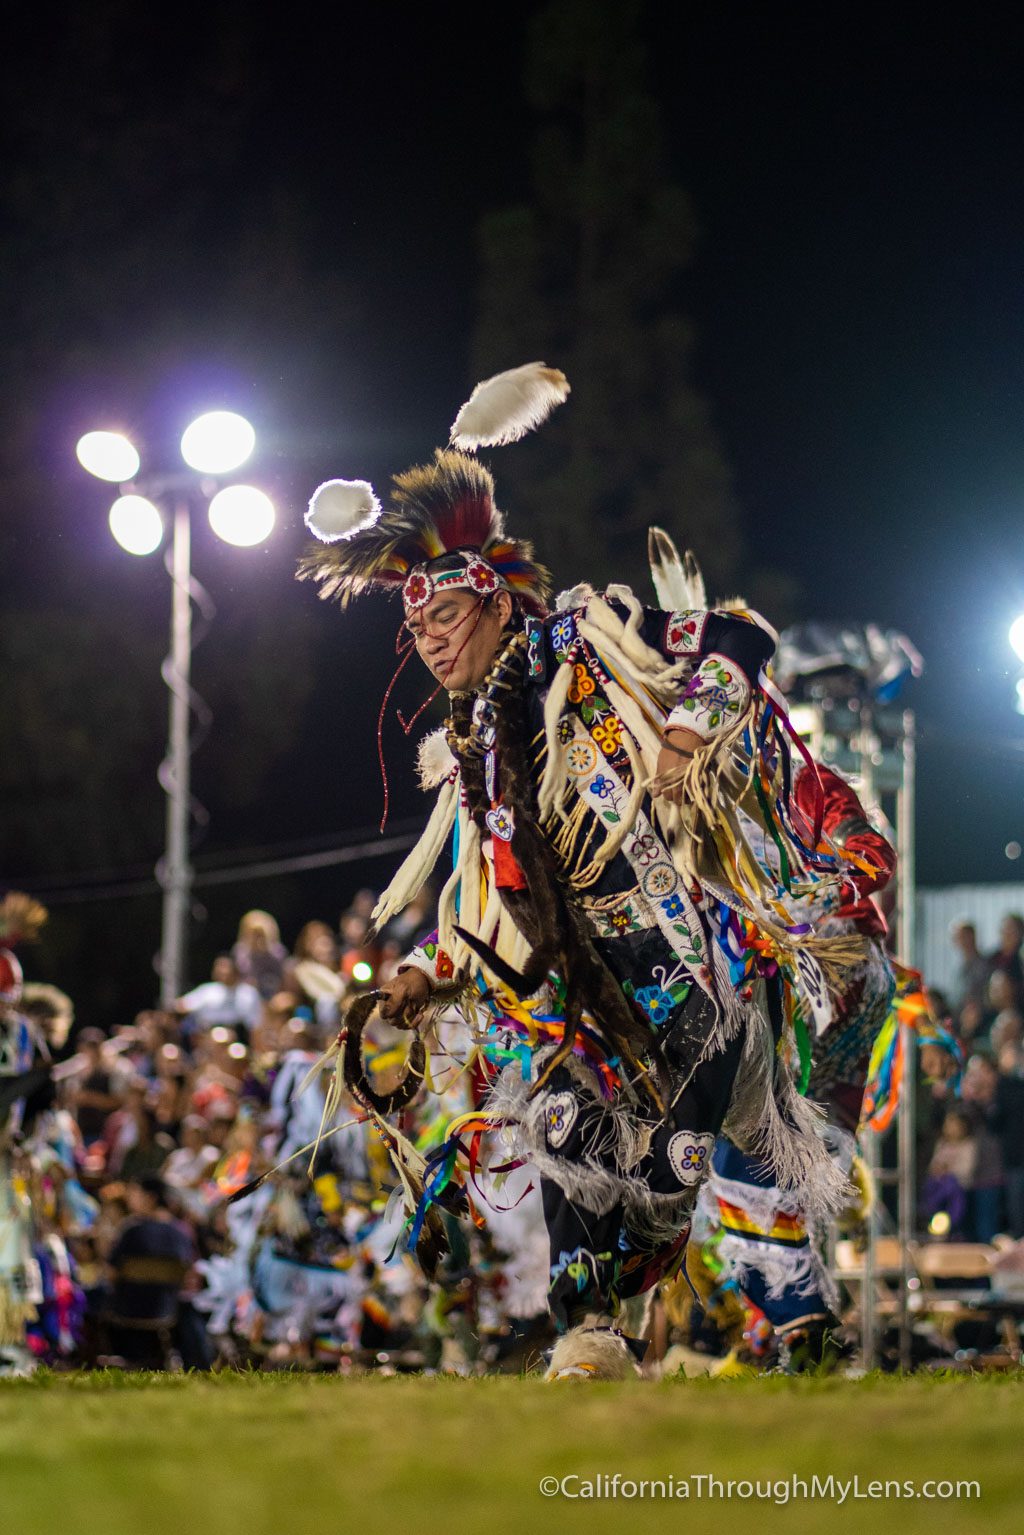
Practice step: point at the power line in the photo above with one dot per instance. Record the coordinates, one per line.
(263, 869)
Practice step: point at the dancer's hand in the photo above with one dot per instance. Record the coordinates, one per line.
(404, 997)
(678, 746)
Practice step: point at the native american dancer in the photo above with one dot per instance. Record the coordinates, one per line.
(591, 775)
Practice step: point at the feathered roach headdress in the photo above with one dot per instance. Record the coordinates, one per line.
(442, 508)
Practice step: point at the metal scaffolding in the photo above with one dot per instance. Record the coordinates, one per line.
(850, 728)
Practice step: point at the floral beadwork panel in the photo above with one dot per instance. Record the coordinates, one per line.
(684, 631)
(664, 891)
(716, 696)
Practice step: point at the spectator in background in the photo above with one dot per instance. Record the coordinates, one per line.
(985, 1203)
(93, 1100)
(188, 1166)
(225, 1001)
(1006, 1034)
(951, 1171)
(168, 1095)
(316, 942)
(352, 929)
(1001, 997)
(363, 904)
(259, 953)
(313, 976)
(152, 1028)
(972, 1026)
(151, 1242)
(215, 1080)
(131, 1135)
(971, 980)
(1007, 958)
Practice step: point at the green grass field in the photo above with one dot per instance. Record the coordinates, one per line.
(180, 1455)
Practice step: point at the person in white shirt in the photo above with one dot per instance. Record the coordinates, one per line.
(224, 1001)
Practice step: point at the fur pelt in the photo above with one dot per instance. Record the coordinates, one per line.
(591, 1353)
(434, 760)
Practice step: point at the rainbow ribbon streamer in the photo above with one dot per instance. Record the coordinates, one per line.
(886, 1065)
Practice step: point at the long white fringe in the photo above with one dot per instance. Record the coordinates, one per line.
(419, 864)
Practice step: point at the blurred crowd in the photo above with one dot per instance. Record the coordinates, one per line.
(175, 1216)
(972, 1116)
(130, 1159)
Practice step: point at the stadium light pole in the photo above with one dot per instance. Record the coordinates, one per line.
(215, 444)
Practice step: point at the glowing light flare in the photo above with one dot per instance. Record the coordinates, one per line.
(218, 442)
(108, 455)
(1016, 636)
(242, 515)
(361, 971)
(136, 524)
(805, 719)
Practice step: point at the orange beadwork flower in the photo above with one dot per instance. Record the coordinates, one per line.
(582, 685)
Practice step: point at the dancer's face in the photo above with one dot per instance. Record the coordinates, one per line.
(458, 635)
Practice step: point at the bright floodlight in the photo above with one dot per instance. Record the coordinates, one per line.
(241, 514)
(108, 456)
(217, 442)
(1017, 636)
(136, 524)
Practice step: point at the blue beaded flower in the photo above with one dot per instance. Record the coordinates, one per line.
(657, 1004)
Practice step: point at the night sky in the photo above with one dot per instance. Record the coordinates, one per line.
(202, 208)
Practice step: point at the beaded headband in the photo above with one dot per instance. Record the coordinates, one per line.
(477, 575)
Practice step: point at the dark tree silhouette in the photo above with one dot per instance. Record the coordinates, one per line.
(588, 275)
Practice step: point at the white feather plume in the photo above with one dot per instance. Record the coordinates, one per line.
(339, 507)
(503, 408)
(434, 759)
(678, 582)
